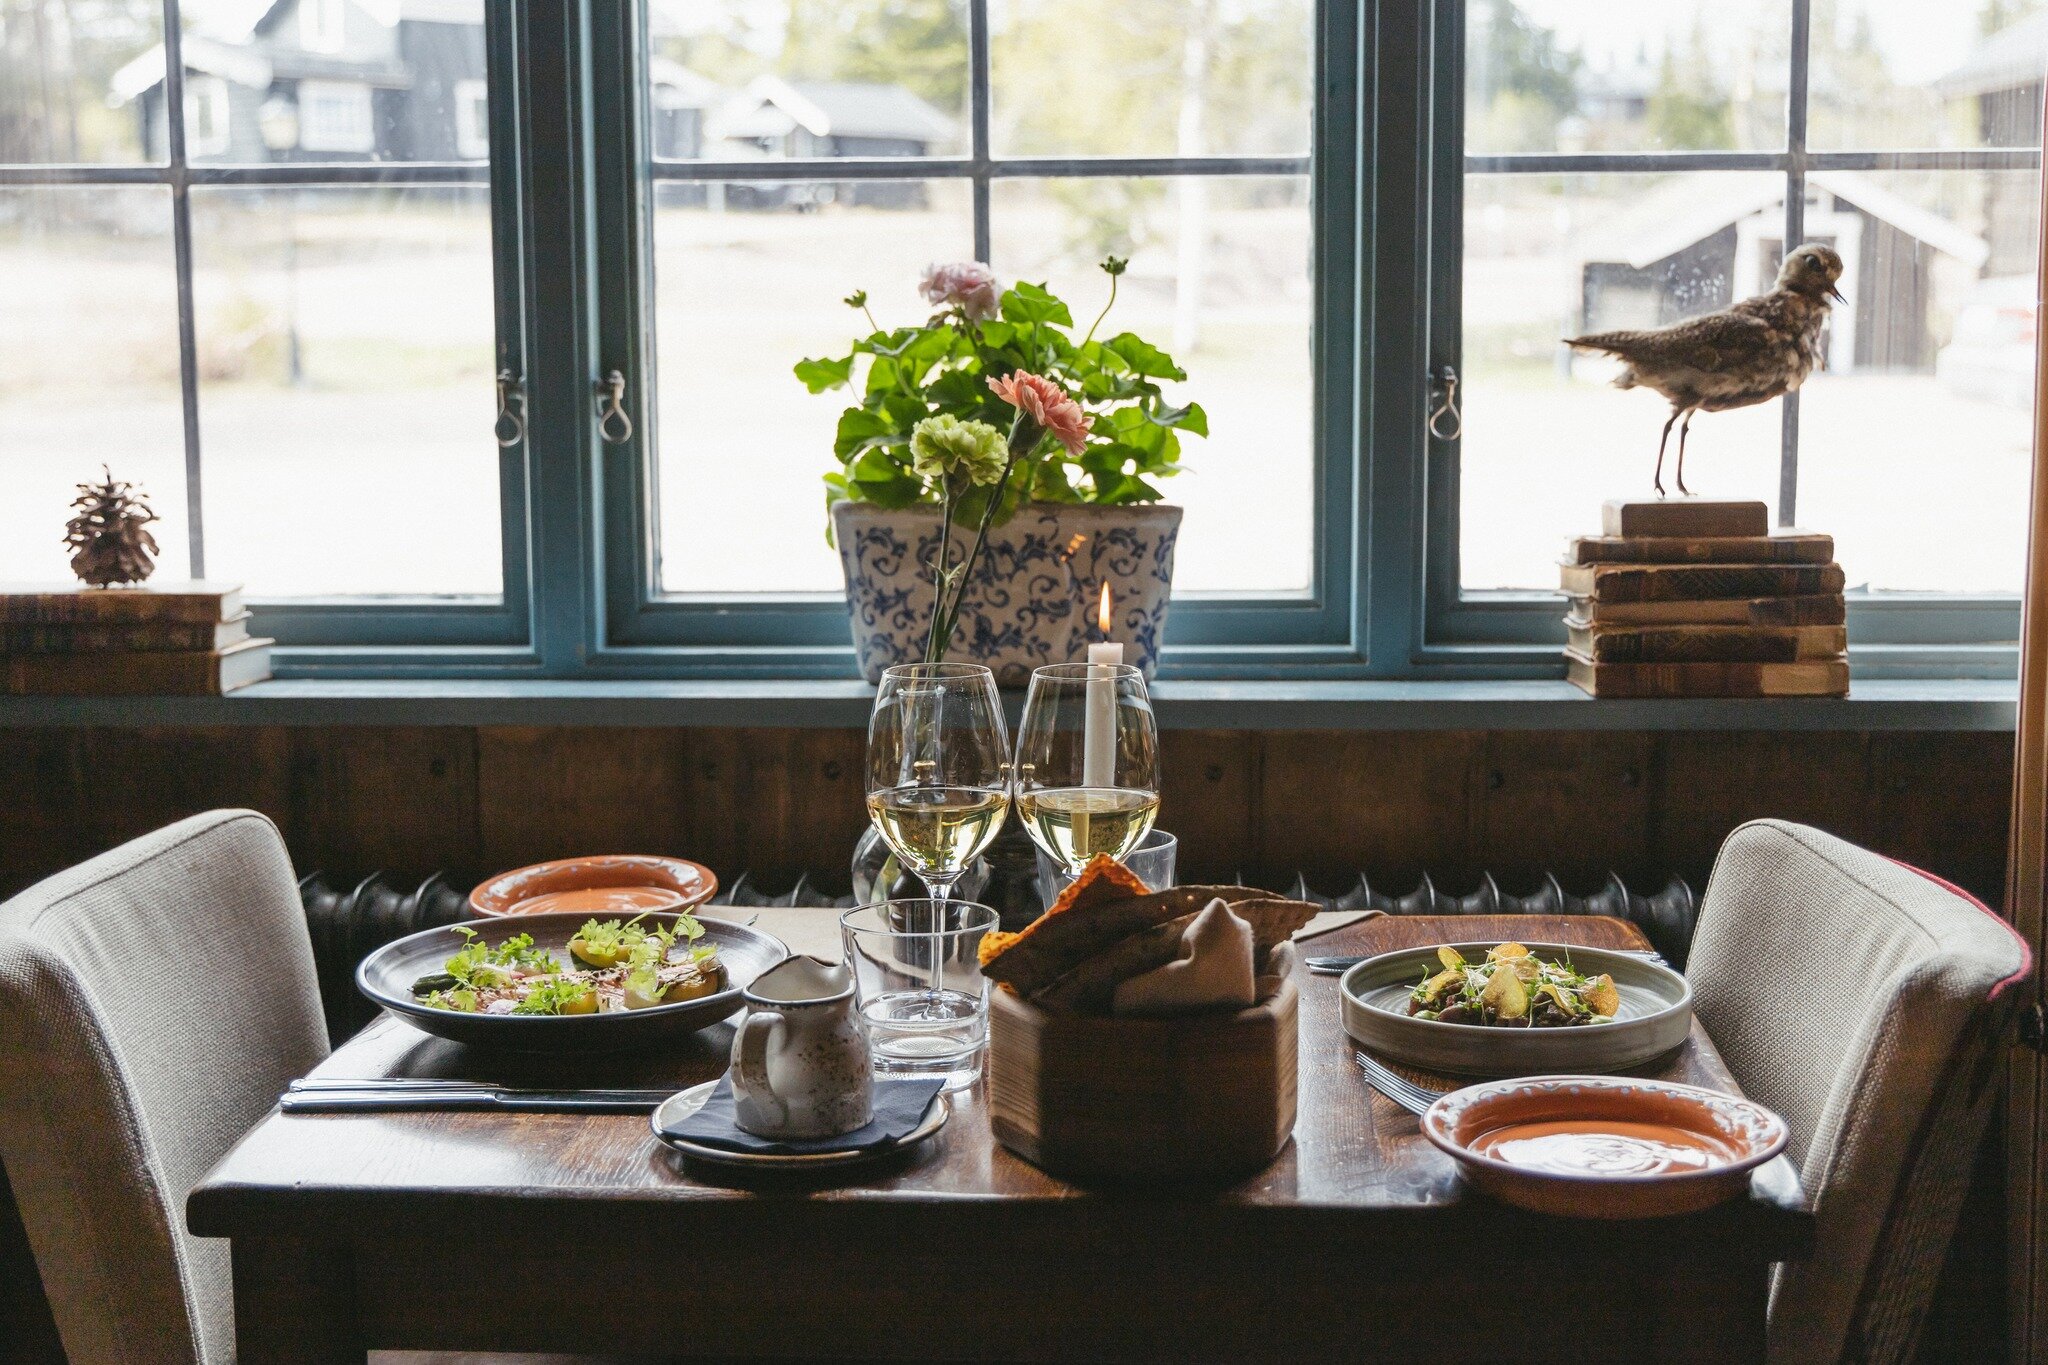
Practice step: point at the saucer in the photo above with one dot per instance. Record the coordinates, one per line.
(680, 1106)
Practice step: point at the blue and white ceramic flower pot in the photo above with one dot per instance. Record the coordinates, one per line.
(1035, 597)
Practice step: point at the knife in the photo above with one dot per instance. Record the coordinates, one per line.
(337, 1097)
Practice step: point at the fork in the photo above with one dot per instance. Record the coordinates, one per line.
(1402, 1091)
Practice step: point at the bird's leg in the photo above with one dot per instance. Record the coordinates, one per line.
(1683, 428)
(1662, 441)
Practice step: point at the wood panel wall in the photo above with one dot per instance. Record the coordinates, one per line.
(782, 801)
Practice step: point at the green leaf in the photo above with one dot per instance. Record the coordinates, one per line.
(898, 492)
(1029, 303)
(904, 412)
(820, 375)
(1143, 357)
(859, 429)
(1188, 418)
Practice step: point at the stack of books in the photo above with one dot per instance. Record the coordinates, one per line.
(1701, 599)
(174, 639)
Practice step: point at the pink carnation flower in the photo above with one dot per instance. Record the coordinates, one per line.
(967, 285)
(1047, 404)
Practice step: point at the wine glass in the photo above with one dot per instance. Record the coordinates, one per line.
(938, 773)
(1087, 768)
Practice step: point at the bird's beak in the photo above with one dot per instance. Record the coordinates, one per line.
(1835, 291)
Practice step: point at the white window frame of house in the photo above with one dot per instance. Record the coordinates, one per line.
(336, 116)
(207, 130)
(472, 119)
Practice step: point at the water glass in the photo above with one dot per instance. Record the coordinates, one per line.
(917, 975)
(1152, 862)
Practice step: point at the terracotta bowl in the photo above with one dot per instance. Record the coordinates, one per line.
(1604, 1146)
(610, 884)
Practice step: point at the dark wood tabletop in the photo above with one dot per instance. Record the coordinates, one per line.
(502, 1232)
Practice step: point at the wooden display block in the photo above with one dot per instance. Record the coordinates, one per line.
(1684, 517)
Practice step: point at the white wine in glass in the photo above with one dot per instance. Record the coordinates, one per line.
(1073, 824)
(1087, 768)
(938, 829)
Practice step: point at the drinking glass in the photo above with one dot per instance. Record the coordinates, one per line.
(917, 975)
(1087, 769)
(938, 772)
(1151, 862)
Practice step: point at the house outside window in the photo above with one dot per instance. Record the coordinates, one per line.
(336, 116)
(472, 119)
(206, 115)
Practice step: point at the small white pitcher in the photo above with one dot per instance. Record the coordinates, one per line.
(800, 1061)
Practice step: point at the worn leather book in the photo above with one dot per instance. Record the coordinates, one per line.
(146, 636)
(186, 673)
(75, 603)
(1817, 678)
(1826, 609)
(1698, 582)
(1684, 517)
(1786, 547)
(1607, 643)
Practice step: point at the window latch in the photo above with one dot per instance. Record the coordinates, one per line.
(1446, 419)
(510, 426)
(614, 424)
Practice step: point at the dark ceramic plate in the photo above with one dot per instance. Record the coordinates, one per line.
(386, 976)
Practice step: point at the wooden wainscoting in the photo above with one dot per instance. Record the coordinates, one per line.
(784, 801)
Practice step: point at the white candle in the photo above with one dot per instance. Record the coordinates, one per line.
(1098, 740)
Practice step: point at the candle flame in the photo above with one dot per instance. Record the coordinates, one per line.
(1102, 616)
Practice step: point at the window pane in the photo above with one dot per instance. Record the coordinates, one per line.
(1546, 440)
(88, 366)
(1219, 278)
(1150, 77)
(1914, 446)
(1906, 74)
(740, 80)
(65, 70)
(747, 283)
(325, 80)
(345, 352)
(1594, 75)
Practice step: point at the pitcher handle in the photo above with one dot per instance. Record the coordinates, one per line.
(750, 1060)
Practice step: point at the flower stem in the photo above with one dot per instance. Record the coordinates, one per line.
(1025, 434)
(1103, 314)
(934, 647)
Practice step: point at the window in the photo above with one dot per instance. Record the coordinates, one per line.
(335, 117)
(294, 357)
(472, 120)
(1628, 167)
(296, 312)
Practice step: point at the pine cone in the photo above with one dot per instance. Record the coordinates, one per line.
(110, 536)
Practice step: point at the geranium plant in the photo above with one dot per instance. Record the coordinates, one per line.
(980, 331)
(1087, 421)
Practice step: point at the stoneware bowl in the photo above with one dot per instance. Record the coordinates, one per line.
(386, 976)
(579, 884)
(1604, 1146)
(1654, 1018)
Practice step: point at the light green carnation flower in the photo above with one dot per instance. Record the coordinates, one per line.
(946, 447)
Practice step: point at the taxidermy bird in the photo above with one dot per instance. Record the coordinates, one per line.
(1756, 351)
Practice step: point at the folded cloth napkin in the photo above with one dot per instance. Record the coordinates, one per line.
(899, 1107)
(1214, 970)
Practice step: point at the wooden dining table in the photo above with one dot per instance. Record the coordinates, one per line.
(568, 1233)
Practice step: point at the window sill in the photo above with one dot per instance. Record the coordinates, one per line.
(1963, 704)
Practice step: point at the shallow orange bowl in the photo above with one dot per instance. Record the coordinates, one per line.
(574, 884)
(1604, 1146)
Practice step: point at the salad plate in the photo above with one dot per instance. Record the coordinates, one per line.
(411, 978)
(1648, 1013)
(680, 1106)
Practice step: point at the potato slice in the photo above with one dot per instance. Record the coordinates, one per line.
(1505, 995)
(1433, 989)
(1502, 950)
(1449, 957)
(1601, 996)
(1560, 997)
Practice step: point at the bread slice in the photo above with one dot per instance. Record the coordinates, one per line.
(1090, 986)
(1055, 944)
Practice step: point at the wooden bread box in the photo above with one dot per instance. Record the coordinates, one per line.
(1127, 1099)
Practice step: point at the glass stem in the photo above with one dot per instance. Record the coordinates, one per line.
(942, 892)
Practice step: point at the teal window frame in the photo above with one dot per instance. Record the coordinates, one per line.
(572, 192)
